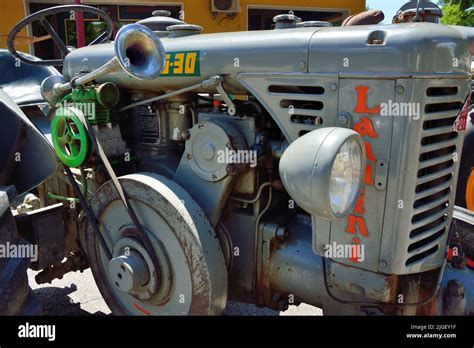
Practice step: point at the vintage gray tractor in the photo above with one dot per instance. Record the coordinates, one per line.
(308, 163)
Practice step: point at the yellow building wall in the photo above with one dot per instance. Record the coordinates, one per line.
(11, 11)
(195, 11)
(202, 14)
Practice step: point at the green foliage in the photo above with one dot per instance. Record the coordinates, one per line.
(92, 31)
(465, 4)
(455, 15)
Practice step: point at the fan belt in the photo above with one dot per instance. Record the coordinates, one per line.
(141, 235)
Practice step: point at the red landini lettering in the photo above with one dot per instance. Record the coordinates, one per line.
(369, 175)
(356, 224)
(365, 128)
(353, 221)
(369, 152)
(361, 106)
(359, 207)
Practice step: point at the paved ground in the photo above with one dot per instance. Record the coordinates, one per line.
(77, 294)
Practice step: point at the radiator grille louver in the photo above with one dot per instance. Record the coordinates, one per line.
(436, 169)
(299, 103)
(304, 105)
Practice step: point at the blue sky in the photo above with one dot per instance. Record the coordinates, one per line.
(389, 7)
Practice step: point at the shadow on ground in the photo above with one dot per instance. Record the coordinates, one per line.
(77, 295)
(57, 302)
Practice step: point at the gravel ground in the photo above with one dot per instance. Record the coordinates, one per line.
(76, 294)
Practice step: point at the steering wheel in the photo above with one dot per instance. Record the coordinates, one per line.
(41, 17)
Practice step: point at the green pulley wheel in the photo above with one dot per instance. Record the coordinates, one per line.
(70, 140)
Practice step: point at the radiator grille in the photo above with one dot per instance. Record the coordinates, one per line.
(435, 175)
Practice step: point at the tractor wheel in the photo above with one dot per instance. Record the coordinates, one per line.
(187, 274)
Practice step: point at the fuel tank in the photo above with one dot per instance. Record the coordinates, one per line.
(400, 50)
(192, 59)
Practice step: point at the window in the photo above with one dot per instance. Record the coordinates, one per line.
(66, 27)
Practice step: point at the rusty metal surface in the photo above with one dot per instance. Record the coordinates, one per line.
(45, 227)
(465, 277)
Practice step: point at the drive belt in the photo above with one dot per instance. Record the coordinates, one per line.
(122, 194)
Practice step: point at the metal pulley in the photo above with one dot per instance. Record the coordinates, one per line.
(183, 272)
(69, 137)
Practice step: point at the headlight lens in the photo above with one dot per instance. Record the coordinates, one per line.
(346, 176)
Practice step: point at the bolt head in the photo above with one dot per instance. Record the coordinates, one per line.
(343, 119)
(383, 264)
(303, 65)
(400, 89)
(333, 87)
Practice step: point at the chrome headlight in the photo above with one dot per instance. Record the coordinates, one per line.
(346, 176)
(323, 171)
